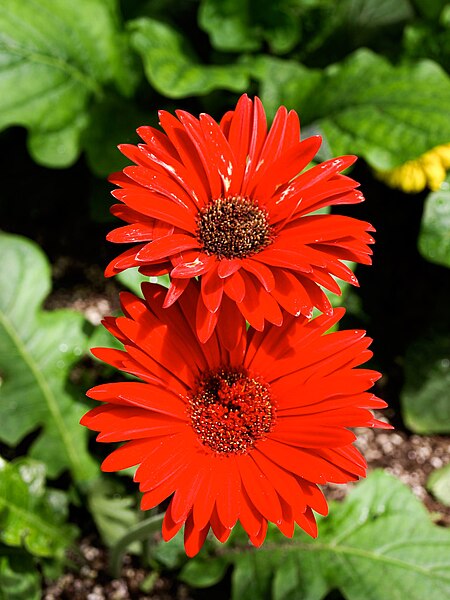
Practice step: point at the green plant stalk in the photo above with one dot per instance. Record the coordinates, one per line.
(139, 532)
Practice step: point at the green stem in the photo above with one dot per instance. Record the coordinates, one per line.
(139, 532)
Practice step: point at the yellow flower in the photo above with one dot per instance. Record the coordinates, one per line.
(429, 170)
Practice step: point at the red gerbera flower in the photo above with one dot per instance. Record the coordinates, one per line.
(226, 202)
(245, 434)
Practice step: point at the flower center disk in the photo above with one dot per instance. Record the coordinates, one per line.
(230, 410)
(233, 227)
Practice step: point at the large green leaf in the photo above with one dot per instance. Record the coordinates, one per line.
(387, 114)
(37, 350)
(429, 40)
(430, 9)
(439, 484)
(172, 67)
(113, 512)
(425, 394)
(55, 56)
(32, 516)
(285, 82)
(379, 543)
(434, 236)
(373, 14)
(243, 25)
(19, 578)
(114, 121)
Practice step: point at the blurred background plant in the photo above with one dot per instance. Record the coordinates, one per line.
(76, 79)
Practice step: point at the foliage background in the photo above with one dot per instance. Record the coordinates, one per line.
(76, 79)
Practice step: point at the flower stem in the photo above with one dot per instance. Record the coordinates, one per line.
(139, 532)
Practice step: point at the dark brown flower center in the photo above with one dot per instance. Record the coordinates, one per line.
(230, 410)
(233, 227)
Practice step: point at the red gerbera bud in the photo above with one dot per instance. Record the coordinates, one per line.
(229, 203)
(243, 434)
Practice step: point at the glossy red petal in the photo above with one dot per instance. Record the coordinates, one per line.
(261, 272)
(238, 132)
(305, 463)
(187, 153)
(259, 489)
(205, 320)
(152, 204)
(256, 142)
(142, 395)
(219, 151)
(250, 518)
(193, 267)
(188, 487)
(291, 294)
(271, 150)
(228, 266)
(221, 532)
(170, 527)
(167, 456)
(288, 165)
(166, 246)
(177, 287)
(131, 233)
(124, 261)
(194, 131)
(285, 483)
(307, 522)
(258, 539)
(228, 501)
(128, 455)
(212, 289)
(230, 326)
(206, 497)
(194, 538)
(234, 287)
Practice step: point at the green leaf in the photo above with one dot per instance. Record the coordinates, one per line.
(428, 40)
(298, 578)
(31, 516)
(366, 106)
(439, 484)
(424, 397)
(252, 577)
(113, 512)
(386, 114)
(201, 574)
(430, 9)
(378, 543)
(19, 578)
(172, 67)
(170, 554)
(37, 350)
(55, 56)
(362, 15)
(284, 82)
(113, 121)
(243, 25)
(434, 236)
